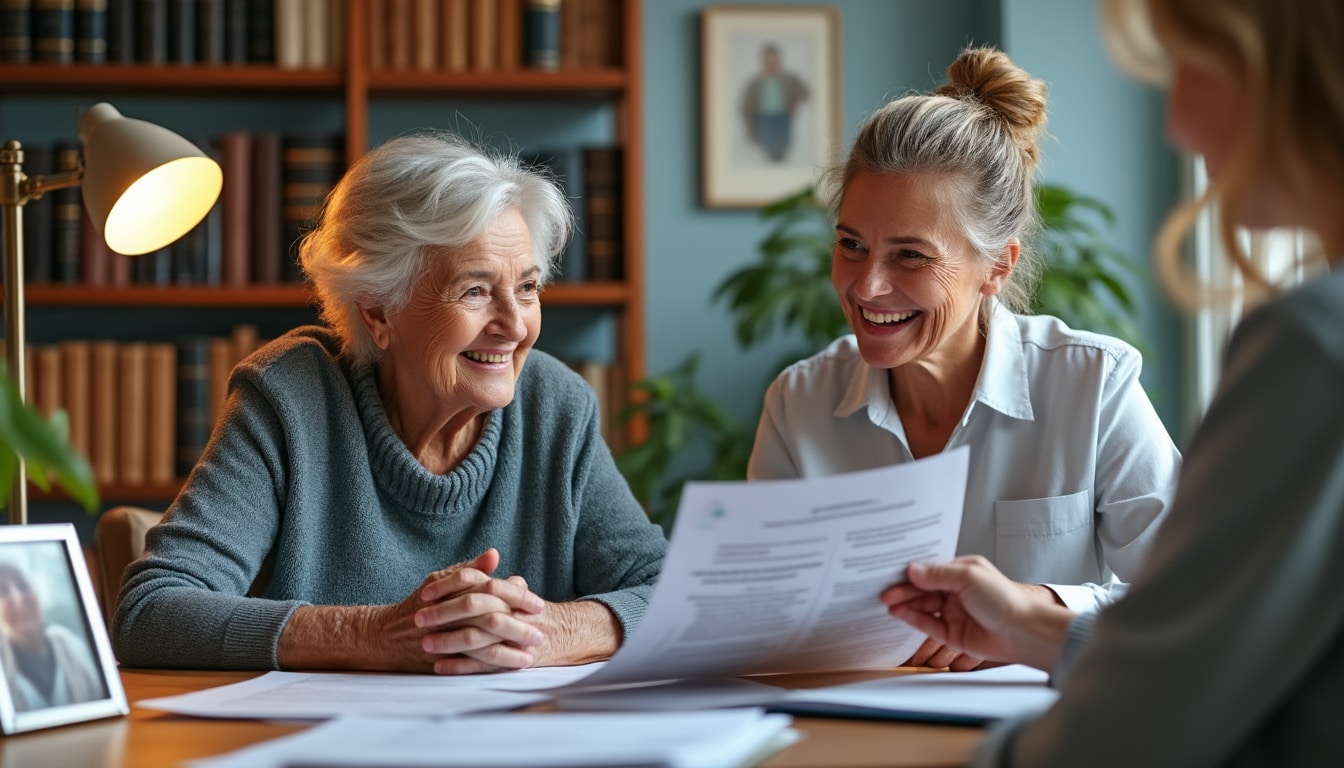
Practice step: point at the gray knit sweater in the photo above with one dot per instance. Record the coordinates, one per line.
(304, 468)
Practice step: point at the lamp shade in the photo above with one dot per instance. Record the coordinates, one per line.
(144, 186)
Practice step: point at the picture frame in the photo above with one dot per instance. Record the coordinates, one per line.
(770, 101)
(47, 602)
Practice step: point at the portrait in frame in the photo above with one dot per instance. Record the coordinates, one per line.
(55, 657)
(770, 101)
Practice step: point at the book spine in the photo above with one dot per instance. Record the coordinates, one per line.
(91, 31)
(121, 31)
(574, 260)
(211, 32)
(377, 32)
(235, 31)
(154, 268)
(543, 34)
(571, 34)
(94, 256)
(601, 33)
(267, 248)
(151, 38)
(193, 401)
(261, 31)
(509, 28)
(76, 359)
(220, 351)
(16, 31)
(310, 167)
(54, 31)
(399, 20)
(133, 397)
(46, 376)
(336, 37)
(182, 31)
(602, 196)
(289, 34)
(455, 35)
(484, 35)
(103, 405)
(38, 221)
(161, 419)
(66, 213)
(425, 37)
(236, 161)
(317, 33)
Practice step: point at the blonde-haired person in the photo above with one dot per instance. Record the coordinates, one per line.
(1229, 647)
(433, 493)
(1071, 472)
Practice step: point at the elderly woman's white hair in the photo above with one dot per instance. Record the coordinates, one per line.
(411, 201)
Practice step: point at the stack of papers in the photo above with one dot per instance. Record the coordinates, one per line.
(721, 739)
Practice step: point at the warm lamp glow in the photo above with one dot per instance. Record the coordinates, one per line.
(162, 205)
(144, 186)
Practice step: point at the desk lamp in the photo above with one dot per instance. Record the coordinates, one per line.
(144, 187)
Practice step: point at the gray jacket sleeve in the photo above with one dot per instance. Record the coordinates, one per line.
(1234, 624)
(191, 610)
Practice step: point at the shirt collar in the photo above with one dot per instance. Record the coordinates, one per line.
(1002, 385)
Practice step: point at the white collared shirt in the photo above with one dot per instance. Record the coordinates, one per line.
(1071, 471)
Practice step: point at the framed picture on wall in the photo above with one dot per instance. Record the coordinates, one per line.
(770, 101)
(55, 657)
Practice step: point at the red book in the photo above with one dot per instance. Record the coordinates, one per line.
(268, 258)
(103, 406)
(133, 394)
(236, 160)
(95, 256)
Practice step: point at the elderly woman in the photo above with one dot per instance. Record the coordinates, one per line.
(1071, 471)
(432, 493)
(45, 664)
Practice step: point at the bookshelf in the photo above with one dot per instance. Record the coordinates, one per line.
(360, 92)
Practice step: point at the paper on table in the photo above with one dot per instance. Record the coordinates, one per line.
(960, 697)
(783, 575)
(720, 739)
(316, 695)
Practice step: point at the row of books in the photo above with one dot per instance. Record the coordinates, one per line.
(288, 33)
(591, 178)
(274, 185)
(488, 35)
(430, 35)
(140, 411)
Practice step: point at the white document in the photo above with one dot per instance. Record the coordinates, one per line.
(783, 575)
(318, 695)
(959, 697)
(719, 739)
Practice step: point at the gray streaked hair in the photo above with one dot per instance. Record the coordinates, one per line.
(408, 204)
(978, 133)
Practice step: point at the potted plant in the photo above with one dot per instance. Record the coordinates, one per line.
(789, 290)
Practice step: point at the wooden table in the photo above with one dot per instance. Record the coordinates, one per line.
(149, 738)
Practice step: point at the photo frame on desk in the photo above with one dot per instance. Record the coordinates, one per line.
(56, 661)
(770, 101)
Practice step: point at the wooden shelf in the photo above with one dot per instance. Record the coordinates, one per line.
(252, 296)
(117, 493)
(49, 79)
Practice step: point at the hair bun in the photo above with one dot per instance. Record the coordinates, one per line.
(991, 78)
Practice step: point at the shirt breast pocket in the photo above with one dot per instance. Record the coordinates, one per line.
(1047, 540)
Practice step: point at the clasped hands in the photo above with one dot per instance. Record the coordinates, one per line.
(463, 620)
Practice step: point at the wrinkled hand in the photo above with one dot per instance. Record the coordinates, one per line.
(461, 620)
(971, 608)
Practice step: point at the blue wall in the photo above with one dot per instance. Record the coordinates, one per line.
(1107, 143)
(887, 48)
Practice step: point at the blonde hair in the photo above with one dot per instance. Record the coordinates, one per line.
(979, 132)
(411, 202)
(1284, 56)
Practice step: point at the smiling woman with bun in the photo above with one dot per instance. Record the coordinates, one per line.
(1071, 472)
